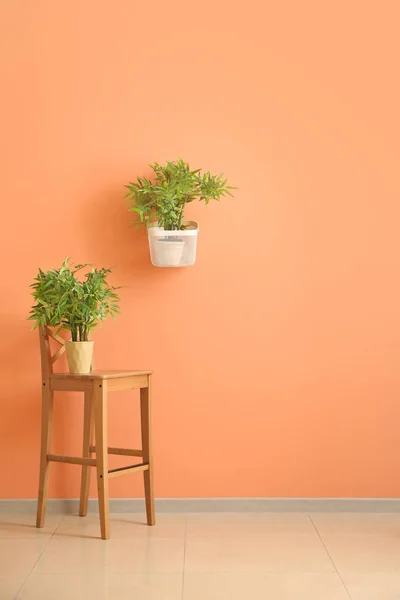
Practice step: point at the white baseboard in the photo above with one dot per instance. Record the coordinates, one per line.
(204, 505)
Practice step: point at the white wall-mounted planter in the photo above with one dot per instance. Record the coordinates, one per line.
(173, 248)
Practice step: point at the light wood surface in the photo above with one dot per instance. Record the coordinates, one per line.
(45, 355)
(120, 451)
(47, 430)
(57, 355)
(101, 374)
(123, 470)
(147, 445)
(127, 383)
(88, 432)
(54, 335)
(95, 387)
(73, 460)
(69, 384)
(100, 411)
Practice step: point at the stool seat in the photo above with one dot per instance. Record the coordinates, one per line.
(100, 374)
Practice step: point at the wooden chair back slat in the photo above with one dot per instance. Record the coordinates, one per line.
(55, 337)
(47, 358)
(57, 355)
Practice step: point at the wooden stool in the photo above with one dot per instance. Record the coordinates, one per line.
(95, 387)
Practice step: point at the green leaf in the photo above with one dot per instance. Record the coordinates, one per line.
(174, 185)
(64, 301)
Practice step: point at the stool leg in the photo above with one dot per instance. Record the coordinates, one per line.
(88, 430)
(147, 446)
(100, 412)
(47, 427)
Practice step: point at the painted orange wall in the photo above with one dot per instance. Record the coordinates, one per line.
(277, 355)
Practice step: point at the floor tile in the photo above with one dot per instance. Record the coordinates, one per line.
(141, 555)
(130, 525)
(248, 524)
(373, 586)
(24, 526)
(274, 553)
(228, 556)
(9, 586)
(19, 556)
(364, 554)
(102, 586)
(226, 586)
(357, 523)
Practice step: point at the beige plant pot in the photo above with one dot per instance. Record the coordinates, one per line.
(79, 356)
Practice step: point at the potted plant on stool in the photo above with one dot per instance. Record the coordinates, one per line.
(172, 240)
(63, 301)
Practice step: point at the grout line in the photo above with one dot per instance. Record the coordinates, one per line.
(330, 557)
(37, 560)
(184, 559)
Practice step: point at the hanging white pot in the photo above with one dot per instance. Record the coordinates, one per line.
(79, 356)
(175, 248)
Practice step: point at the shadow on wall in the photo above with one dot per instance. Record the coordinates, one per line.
(114, 240)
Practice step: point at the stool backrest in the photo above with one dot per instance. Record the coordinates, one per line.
(47, 358)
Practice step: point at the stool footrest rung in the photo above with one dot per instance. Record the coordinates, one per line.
(129, 469)
(91, 462)
(120, 451)
(74, 460)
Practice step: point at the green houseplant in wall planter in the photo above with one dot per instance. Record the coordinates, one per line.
(63, 301)
(160, 205)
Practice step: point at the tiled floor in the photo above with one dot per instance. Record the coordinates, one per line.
(202, 557)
